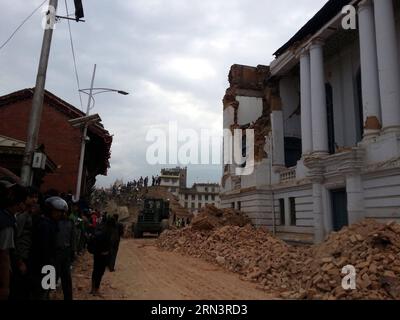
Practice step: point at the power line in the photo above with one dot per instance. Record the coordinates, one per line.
(74, 57)
(22, 23)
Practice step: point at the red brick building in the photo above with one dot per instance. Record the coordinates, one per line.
(62, 142)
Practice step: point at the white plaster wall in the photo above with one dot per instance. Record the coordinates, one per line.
(382, 197)
(250, 109)
(260, 176)
(290, 95)
(229, 117)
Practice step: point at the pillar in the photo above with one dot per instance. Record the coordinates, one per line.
(369, 69)
(389, 70)
(305, 87)
(318, 100)
(355, 198)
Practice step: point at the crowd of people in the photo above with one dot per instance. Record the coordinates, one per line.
(40, 230)
(136, 185)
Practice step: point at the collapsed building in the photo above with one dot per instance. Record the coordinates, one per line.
(326, 116)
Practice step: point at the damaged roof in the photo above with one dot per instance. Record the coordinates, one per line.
(71, 112)
(322, 17)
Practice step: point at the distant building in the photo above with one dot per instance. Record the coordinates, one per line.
(200, 195)
(61, 141)
(174, 179)
(194, 198)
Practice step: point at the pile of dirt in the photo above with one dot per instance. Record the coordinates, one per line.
(210, 218)
(372, 248)
(313, 272)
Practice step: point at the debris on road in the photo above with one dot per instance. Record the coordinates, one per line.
(210, 218)
(306, 272)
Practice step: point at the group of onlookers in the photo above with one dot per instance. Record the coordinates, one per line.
(41, 230)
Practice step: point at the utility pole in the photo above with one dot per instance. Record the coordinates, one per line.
(37, 102)
(83, 143)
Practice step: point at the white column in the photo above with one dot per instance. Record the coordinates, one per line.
(369, 69)
(389, 72)
(305, 87)
(278, 138)
(355, 198)
(318, 100)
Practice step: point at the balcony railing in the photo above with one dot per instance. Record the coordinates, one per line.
(288, 175)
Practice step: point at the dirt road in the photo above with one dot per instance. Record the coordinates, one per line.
(146, 273)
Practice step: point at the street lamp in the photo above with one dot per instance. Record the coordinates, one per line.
(86, 121)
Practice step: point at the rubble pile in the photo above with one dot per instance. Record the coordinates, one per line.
(372, 248)
(209, 218)
(312, 272)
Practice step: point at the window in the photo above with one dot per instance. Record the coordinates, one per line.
(244, 150)
(206, 197)
(239, 205)
(193, 197)
(193, 206)
(200, 197)
(206, 189)
(282, 211)
(233, 205)
(173, 189)
(292, 202)
(213, 198)
(186, 205)
(186, 197)
(292, 151)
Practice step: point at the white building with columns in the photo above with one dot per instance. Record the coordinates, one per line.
(330, 102)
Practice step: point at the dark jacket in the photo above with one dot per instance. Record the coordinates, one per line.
(65, 235)
(44, 243)
(103, 241)
(23, 239)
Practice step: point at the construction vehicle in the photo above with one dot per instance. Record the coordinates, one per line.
(153, 218)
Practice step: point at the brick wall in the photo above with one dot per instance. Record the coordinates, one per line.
(62, 142)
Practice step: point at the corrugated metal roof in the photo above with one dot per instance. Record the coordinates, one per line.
(11, 142)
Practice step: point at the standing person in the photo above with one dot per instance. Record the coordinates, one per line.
(44, 243)
(21, 283)
(12, 198)
(101, 246)
(65, 252)
(117, 233)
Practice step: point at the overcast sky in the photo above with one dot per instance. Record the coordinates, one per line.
(173, 56)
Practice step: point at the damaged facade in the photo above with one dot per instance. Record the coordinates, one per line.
(326, 114)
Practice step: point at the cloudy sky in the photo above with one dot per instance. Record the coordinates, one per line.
(173, 56)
